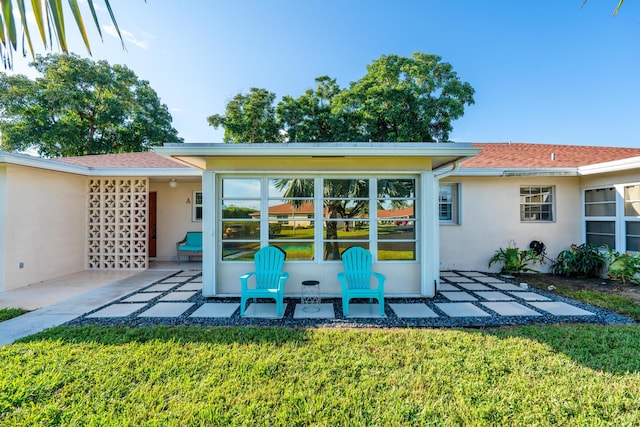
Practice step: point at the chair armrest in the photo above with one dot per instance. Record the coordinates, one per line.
(283, 278)
(244, 279)
(381, 278)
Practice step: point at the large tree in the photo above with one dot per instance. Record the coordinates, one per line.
(249, 118)
(81, 107)
(405, 99)
(49, 19)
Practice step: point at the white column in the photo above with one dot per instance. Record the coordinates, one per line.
(209, 224)
(429, 236)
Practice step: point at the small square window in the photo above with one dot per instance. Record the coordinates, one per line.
(536, 203)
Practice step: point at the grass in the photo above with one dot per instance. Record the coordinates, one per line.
(10, 313)
(539, 375)
(620, 304)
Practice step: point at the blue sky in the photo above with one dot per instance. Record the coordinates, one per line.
(544, 71)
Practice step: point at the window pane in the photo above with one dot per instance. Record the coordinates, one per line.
(391, 210)
(333, 250)
(239, 251)
(198, 213)
(632, 200)
(348, 229)
(241, 230)
(633, 236)
(346, 188)
(600, 195)
(247, 209)
(241, 188)
(198, 198)
(396, 188)
(395, 251)
(285, 230)
(290, 188)
(401, 231)
(346, 209)
(291, 209)
(601, 233)
(602, 209)
(302, 251)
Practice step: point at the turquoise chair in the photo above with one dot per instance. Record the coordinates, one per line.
(190, 245)
(357, 277)
(268, 278)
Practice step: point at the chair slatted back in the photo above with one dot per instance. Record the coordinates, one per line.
(269, 261)
(357, 267)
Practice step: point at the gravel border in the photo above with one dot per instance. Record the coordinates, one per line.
(601, 317)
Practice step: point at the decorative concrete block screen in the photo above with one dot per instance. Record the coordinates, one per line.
(117, 235)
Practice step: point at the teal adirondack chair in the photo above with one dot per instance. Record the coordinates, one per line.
(357, 277)
(268, 278)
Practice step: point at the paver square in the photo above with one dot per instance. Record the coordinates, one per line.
(492, 280)
(325, 311)
(558, 308)
(448, 287)
(160, 287)
(529, 296)
(167, 309)
(142, 297)
(364, 310)
(217, 309)
(174, 280)
(264, 310)
(494, 296)
(461, 309)
(117, 310)
(510, 309)
(475, 274)
(412, 311)
(474, 286)
(460, 279)
(191, 286)
(177, 296)
(506, 286)
(449, 274)
(458, 296)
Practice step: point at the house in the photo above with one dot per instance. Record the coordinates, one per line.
(419, 208)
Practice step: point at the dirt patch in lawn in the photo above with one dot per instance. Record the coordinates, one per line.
(543, 281)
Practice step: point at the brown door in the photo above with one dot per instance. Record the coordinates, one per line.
(151, 241)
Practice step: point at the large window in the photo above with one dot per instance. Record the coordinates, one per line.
(632, 217)
(600, 213)
(318, 218)
(536, 203)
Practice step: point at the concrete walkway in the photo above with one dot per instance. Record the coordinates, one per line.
(54, 303)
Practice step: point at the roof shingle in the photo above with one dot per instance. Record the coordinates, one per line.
(143, 160)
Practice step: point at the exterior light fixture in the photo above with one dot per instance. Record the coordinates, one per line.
(173, 183)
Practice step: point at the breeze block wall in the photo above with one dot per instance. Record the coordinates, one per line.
(117, 223)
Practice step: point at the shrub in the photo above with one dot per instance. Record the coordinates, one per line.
(585, 260)
(514, 260)
(625, 267)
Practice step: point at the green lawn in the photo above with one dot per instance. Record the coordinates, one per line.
(9, 313)
(536, 375)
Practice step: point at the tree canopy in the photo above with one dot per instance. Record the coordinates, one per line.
(81, 107)
(49, 18)
(399, 99)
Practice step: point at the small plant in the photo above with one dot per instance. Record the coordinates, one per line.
(514, 260)
(625, 267)
(585, 260)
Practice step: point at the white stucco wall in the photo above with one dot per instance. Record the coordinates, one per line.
(174, 216)
(45, 225)
(490, 219)
(608, 179)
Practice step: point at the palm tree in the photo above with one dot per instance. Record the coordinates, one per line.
(343, 199)
(49, 18)
(615, 12)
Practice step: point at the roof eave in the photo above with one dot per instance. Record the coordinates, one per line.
(614, 166)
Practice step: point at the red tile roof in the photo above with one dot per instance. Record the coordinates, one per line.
(144, 160)
(521, 155)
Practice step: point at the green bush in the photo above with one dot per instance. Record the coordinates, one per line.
(514, 260)
(625, 267)
(585, 260)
